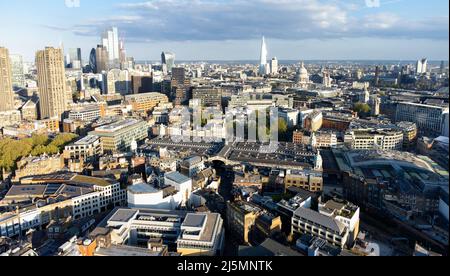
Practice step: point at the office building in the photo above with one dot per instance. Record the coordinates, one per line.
(429, 119)
(85, 113)
(142, 195)
(120, 135)
(409, 134)
(78, 197)
(83, 149)
(41, 165)
(422, 66)
(307, 180)
(110, 40)
(93, 60)
(376, 139)
(192, 166)
(142, 84)
(18, 76)
(101, 59)
(208, 96)
(274, 66)
(336, 222)
(53, 92)
(168, 61)
(118, 82)
(188, 234)
(6, 85)
(75, 58)
(182, 184)
(263, 65)
(146, 102)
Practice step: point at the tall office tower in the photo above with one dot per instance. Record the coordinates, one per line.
(377, 75)
(93, 60)
(118, 82)
(274, 66)
(263, 64)
(18, 76)
(75, 60)
(101, 59)
(122, 52)
(421, 67)
(53, 96)
(110, 40)
(142, 84)
(442, 67)
(326, 79)
(179, 86)
(168, 61)
(375, 104)
(178, 76)
(6, 86)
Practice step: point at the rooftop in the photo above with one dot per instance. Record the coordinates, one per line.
(177, 177)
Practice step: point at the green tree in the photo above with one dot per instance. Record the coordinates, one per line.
(362, 109)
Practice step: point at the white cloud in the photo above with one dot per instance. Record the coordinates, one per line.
(181, 20)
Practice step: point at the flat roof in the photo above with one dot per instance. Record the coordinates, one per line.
(123, 215)
(177, 177)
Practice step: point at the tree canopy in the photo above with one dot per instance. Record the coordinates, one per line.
(12, 150)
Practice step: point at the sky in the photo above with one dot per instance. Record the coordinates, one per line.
(232, 29)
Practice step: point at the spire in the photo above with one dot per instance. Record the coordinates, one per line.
(263, 63)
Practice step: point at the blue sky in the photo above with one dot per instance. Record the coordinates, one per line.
(232, 29)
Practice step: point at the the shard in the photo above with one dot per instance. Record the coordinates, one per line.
(263, 65)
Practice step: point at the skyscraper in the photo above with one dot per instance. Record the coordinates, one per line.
(93, 60)
(110, 40)
(168, 61)
(274, 66)
(263, 64)
(442, 67)
(6, 91)
(18, 77)
(75, 58)
(52, 83)
(101, 58)
(421, 67)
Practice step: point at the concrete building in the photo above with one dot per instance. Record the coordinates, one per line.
(382, 139)
(241, 218)
(118, 82)
(192, 166)
(181, 183)
(120, 135)
(6, 85)
(18, 76)
(336, 223)
(142, 84)
(429, 119)
(85, 148)
(146, 102)
(208, 96)
(32, 166)
(53, 93)
(185, 233)
(85, 113)
(142, 195)
(78, 197)
(409, 134)
(314, 121)
(308, 180)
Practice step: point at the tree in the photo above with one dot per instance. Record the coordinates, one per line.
(362, 109)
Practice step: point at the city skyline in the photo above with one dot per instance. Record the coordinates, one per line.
(294, 29)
